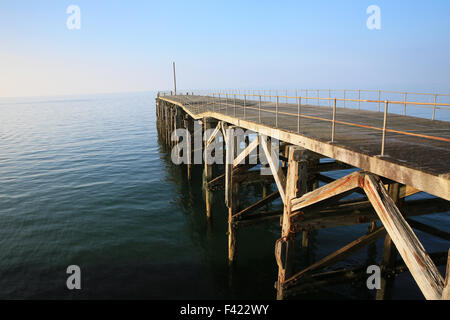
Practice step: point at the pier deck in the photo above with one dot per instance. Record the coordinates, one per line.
(420, 160)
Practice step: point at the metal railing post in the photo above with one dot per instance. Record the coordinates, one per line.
(218, 102)
(259, 110)
(329, 98)
(276, 113)
(299, 105)
(434, 107)
(379, 100)
(333, 125)
(345, 93)
(404, 106)
(359, 99)
(245, 105)
(386, 103)
(226, 103)
(234, 105)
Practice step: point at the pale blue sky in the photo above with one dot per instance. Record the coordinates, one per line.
(129, 46)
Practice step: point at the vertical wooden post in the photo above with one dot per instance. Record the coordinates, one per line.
(207, 125)
(230, 194)
(295, 184)
(307, 187)
(389, 253)
(189, 146)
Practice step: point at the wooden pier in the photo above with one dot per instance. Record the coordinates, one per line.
(393, 156)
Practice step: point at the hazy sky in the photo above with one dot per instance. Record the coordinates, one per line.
(129, 45)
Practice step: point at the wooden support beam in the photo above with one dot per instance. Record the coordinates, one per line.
(416, 258)
(357, 212)
(318, 281)
(345, 184)
(244, 154)
(231, 193)
(331, 166)
(429, 229)
(187, 126)
(257, 205)
(224, 128)
(389, 253)
(208, 171)
(284, 245)
(262, 217)
(339, 255)
(221, 178)
(251, 177)
(406, 191)
(213, 134)
(276, 169)
(229, 167)
(446, 290)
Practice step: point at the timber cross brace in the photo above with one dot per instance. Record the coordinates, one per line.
(419, 263)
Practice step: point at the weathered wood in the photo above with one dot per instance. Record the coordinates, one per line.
(276, 169)
(339, 255)
(357, 212)
(389, 253)
(406, 191)
(446, 290)
(251, 177)
(429, 229)
(284, 246)
(229, 168)
(244, 154)
(428, 174)
(208, 172)
(416, 258)
(221, 178)
(330, 190)
(188, 148)
(213, 134)
(331, 166)
(259, 218)
(318, 281)
(259, 204)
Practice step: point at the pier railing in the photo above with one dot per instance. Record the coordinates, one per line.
(262, 101)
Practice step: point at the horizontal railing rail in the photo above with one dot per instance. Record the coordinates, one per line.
(217, 100)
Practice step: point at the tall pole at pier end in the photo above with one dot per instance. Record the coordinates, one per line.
(174, 79)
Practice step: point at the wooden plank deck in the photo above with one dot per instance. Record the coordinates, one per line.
(422, 163)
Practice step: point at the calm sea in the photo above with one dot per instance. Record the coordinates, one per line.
(85, 181)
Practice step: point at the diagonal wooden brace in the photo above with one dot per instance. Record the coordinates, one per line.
(330, 190)
(276, 169)
(244, 154)
(408, 245)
